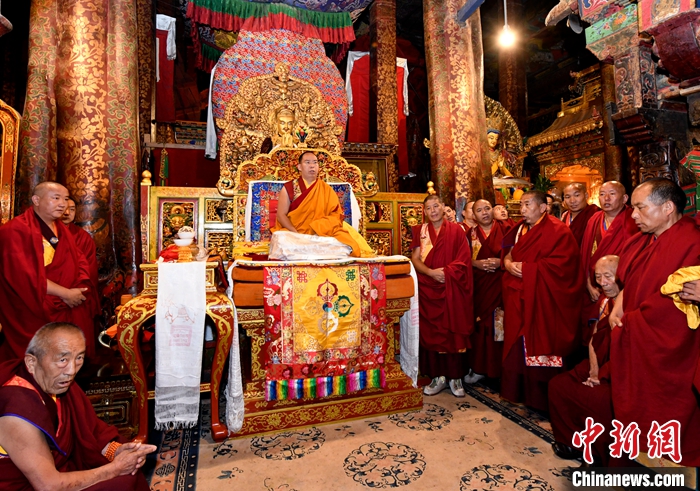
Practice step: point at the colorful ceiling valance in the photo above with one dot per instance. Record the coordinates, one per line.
(234, 15)
(323, 5)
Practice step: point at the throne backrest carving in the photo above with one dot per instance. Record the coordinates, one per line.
(9, 141)
(286, 109)
(281, 165)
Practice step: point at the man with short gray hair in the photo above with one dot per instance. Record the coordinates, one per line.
(50, 436)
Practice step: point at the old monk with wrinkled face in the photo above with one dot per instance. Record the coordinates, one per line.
(49, 431)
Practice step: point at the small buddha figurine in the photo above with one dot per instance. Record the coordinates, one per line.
(284, 123)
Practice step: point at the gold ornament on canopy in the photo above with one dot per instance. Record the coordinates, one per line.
(290, 111)
(506, 151)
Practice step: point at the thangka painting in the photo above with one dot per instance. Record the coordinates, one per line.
(325, 330)
(263, 197)
(173, 216)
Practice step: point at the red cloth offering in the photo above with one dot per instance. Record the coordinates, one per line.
(446, 309)
(165, 87)
(82, 436)
(578, 224)
(26, 306)
(654, 355)
(486, 355)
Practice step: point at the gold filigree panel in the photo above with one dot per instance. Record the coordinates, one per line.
(386, 213)
(220, 243)
(239, 203)
(218, 210)
(379, 212)
(411, 215)
(380, 241)
(9, 140)
(173, 216)
(596, 162)
(169, 205)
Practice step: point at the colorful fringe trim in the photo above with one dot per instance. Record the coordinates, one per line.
(313, 388)
(234, 15)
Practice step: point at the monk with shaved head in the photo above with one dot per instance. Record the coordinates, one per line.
(485, 238)
(86, 244)
(578, 211)
(654, 355)
(585, 391)
(606, 233)
(43, 274)
(542, 287)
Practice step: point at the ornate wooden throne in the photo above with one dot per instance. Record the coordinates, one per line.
(294, 116)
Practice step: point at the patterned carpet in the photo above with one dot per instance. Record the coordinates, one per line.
(472, 443)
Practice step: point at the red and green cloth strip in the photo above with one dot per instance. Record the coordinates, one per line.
(233, 15)
(312, 388)
(209, 56)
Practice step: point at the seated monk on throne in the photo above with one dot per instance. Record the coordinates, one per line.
(310, 206)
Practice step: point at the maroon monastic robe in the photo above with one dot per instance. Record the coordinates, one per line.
(571, 402)
(78, 444)
(25, 304)
(578, 224)
(486, 355)
(654, 354)
(597, 243)
(606, 242)
(86, 244)
(446, 309)
(543, 307)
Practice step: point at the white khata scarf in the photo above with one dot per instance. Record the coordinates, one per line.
(180, 314)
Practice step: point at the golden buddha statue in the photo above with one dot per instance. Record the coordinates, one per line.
(285, 123)
(501, 159)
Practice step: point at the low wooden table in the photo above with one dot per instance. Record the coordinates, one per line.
(130, 321)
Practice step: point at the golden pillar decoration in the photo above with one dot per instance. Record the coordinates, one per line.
(613, 153)
(383, 85)
(80, 124)
(147, 64)
(459, 152)
(37, 152)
